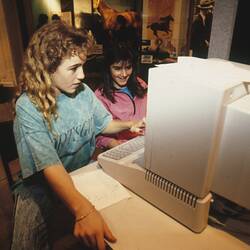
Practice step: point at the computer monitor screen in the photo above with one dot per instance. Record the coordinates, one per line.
(194, 109)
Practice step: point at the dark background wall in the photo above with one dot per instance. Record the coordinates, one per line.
(240, 48)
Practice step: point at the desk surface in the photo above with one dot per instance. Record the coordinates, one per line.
(140, 226)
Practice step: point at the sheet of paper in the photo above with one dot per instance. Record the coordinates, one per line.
(99, 188)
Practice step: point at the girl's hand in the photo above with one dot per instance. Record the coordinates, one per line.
(113, 143)
(138, 127)
(92, 230)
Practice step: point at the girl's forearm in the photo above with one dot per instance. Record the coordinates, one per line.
(62, 184)
(116, 126)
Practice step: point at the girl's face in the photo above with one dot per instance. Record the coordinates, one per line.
(69, 74)
(120, 72)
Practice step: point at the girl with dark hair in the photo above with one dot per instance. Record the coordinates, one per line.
(123, 93)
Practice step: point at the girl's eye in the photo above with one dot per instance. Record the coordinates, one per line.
(74, 69)
(117, 68)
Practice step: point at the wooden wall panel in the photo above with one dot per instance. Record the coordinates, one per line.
(10, 44)
(7, 74)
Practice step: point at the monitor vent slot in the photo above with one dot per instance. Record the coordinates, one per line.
(171, 188)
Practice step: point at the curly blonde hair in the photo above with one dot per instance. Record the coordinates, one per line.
(51, 44)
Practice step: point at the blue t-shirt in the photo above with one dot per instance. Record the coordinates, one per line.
(126, 91)
(71, 140)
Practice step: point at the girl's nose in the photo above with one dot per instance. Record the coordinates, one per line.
(124, 72)
(80, 74)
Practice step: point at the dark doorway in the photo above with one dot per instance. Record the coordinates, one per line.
(240, 51)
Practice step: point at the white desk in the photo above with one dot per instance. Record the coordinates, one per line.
(140, 226)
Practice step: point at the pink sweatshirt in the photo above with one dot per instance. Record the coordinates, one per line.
(124, 109)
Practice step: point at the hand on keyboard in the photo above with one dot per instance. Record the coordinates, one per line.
(113, 143)
(138, 127)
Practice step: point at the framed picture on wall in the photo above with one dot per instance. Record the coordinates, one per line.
(158, 19)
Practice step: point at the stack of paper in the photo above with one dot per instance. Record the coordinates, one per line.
(99, 188)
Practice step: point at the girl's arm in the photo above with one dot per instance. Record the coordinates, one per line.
(116, 126)
(89, 224)
(106, 142)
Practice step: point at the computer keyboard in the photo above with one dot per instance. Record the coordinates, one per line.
(125, 149)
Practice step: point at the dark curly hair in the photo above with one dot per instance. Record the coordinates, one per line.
(115, 54)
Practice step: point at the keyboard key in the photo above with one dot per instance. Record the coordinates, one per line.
(125, 149)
